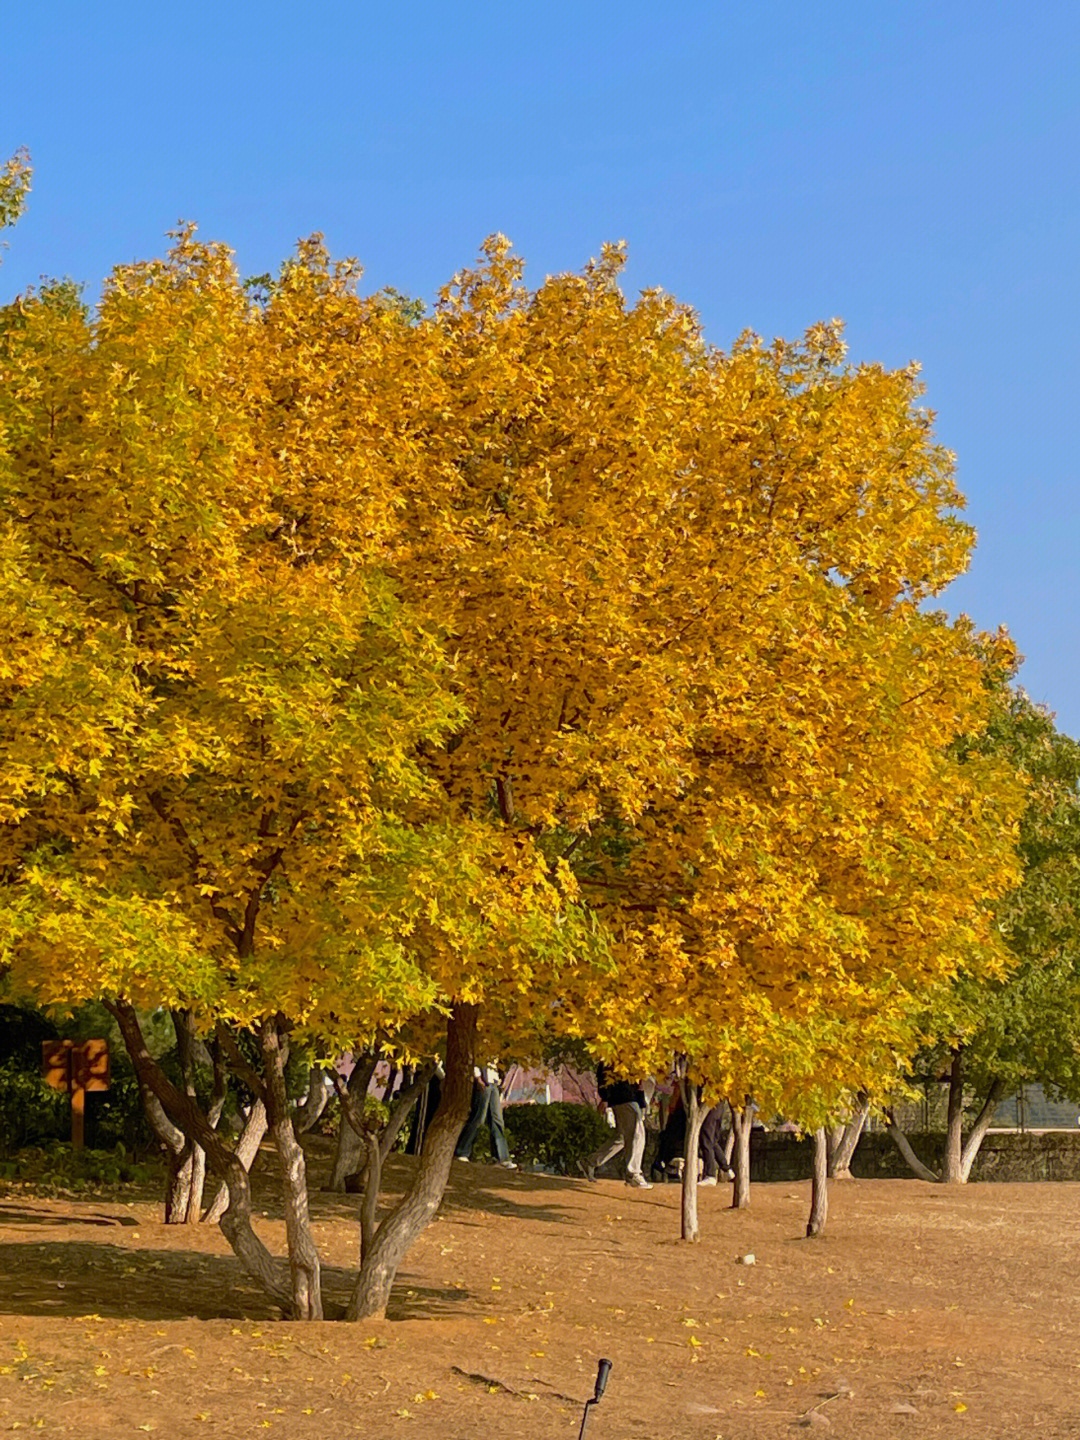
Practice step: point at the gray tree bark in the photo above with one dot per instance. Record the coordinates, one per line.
(418, 1206)
(819, 1190)
(695, 1116)
(741, 1126)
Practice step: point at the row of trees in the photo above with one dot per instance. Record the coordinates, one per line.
(382, 680)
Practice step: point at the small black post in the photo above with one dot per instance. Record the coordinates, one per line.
(603, 1370)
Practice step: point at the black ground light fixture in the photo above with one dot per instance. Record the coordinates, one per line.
(603, 1370)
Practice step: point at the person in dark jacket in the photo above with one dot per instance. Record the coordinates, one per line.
(627, 1102)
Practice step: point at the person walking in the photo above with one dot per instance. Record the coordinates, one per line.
(628, 1104)
(486, 1106)
(712, 1147)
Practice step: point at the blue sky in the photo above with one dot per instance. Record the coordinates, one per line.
(911, 167)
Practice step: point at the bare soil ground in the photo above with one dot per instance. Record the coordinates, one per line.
(922, 1312)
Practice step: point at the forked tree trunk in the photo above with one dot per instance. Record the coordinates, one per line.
(903, 1144)
(177, 1155)
(977, 1133)
(968, 1149)
(952, 1166)
(304, 1267)
(695, 1116)
(741, 1125)
(349, 1153)
(819, 1189)
(417, 1207)
(247, 1147)
(192, 1175)
(842, 1152)
(183, 1112)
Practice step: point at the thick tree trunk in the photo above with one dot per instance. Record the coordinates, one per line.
(819, 1189)
(418, 1206)
(916, 1166)
(740, 1127)
(304, 1267)
(182, 1111)
(349, 1154)
(695, 1115)
(978, 1131)
(954, 1125)
(842, 1152)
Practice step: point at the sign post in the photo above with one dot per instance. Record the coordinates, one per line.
(76, 1066)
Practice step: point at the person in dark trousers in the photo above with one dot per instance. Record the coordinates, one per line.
(486, 1106)
(627, 1101)
(672, 1144)
(712, 1147)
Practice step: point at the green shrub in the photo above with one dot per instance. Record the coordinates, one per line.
(561, 1135)
(55, 1168)
(30, 1110)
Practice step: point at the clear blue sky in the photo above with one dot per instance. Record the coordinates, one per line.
(912, 167)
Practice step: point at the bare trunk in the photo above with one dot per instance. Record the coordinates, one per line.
(178, 1186)
(349, 1155)
(819, 1189)
(310, 1109)
(418, 1206)
(729, 1143)
(402, 1108)
(978, 1131)
(695, 1115)
(247, 1147)
(740, 1128)
(304, 1267)
(193, 1174)
(177, 1153)
(917, 1167)
(369, 1204)
(842, 1152)
(954, 1126)
(181, 1110)
(835, 1136)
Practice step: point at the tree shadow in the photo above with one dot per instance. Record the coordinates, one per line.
(72, 1278)
(19, 1215)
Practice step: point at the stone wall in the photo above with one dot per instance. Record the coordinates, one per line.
(1005, 1155)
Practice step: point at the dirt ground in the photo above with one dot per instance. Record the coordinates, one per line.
(922, 1312)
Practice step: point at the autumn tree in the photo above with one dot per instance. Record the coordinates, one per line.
(203, 485)
(527, 663)
(992, 1035)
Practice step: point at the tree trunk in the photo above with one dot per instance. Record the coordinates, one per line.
(247, 1147)
(695, 1115)
(178, 1185)
(236, 1222)
(904, 1146)
(304, 1267)
(177, 1154)
(418, 1206)
(951, 1170)
(819, 1190)
(310, 1109)
(349, 1155)
(842, 1152)
(978, 1131)
(740, 1127)
(193, 1175)
(402, 1108)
